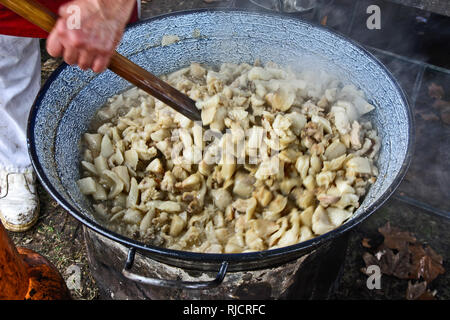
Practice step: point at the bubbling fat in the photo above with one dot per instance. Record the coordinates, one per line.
(287, 158)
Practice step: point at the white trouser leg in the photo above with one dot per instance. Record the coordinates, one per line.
(20, 77)
(139, 9)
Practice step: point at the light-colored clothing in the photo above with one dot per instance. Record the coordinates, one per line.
(20, 80)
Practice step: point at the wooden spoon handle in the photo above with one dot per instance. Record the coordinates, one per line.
(42, 17)
(154, 86)
(32, 11)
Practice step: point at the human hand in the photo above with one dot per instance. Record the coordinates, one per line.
(93, 42)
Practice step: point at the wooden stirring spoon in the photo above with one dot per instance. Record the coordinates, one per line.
(42, 17)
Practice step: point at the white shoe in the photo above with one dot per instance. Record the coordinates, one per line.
(19, 202)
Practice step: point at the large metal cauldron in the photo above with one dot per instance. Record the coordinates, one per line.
(71, 97)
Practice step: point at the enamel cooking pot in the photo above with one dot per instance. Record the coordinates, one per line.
(70, 98)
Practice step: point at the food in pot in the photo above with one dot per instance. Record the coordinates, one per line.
(287, 157)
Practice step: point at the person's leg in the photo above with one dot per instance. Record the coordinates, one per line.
(139, 10)
(20, 76)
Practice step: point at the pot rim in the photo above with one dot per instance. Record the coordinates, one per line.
(215, 257)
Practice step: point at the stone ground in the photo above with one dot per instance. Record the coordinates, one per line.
(59, 237)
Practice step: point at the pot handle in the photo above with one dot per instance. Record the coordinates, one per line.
(176, 284)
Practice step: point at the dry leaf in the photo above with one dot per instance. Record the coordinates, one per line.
(435, 91)
(400, 256)
(369, 260)
(395, 238)
(426, 263)
(365, 243)
(441, 104)
(415, 291)
(395, 264)
(445, 114)
(428, 116)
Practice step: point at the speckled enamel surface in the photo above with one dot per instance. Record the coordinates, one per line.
(71, 97)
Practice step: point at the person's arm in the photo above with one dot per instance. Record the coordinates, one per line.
(101, 27)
